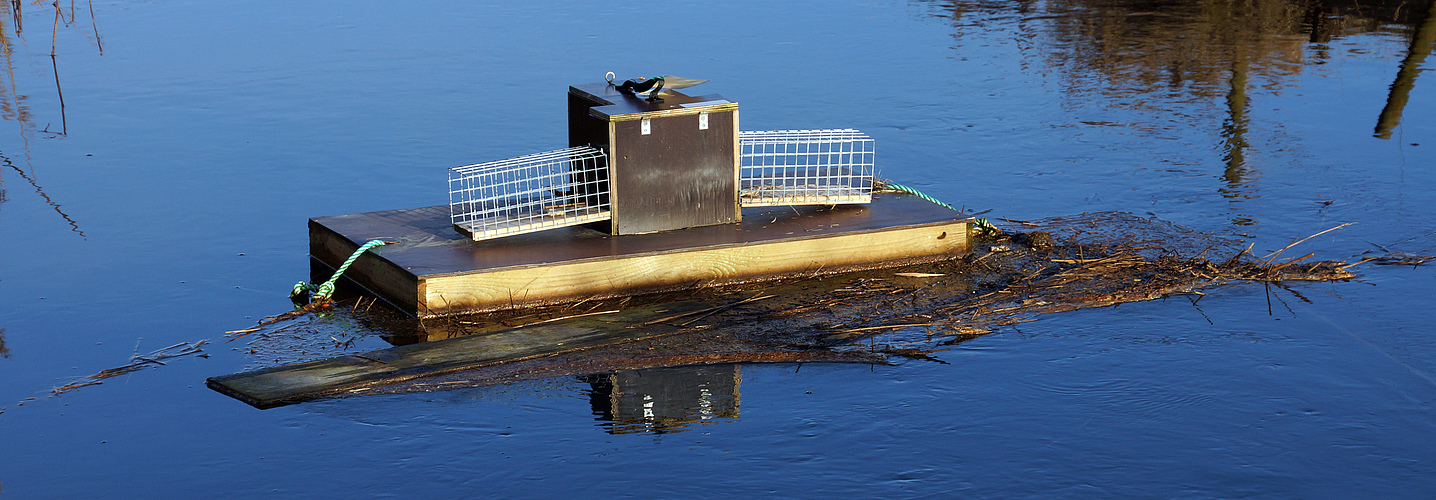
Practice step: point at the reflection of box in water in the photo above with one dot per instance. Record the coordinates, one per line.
(672, 164)
(665, 399)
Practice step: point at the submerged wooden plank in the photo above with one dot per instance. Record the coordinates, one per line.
(298, 382)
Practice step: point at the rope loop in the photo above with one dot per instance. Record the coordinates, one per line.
(324, 291)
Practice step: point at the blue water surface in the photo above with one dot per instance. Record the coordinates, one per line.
(168, 204)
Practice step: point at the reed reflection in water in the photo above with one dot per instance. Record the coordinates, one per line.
(12, 107)
(74, 226)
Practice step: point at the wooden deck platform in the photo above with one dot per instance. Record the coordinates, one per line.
(430, 269)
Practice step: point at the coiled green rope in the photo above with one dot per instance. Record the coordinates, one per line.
(325, 290)
(982, 225)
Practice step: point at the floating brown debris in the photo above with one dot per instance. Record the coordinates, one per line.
(1109, 258)
(137, 363)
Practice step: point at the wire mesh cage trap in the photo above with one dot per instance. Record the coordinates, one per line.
(805, 167)
(530, 193)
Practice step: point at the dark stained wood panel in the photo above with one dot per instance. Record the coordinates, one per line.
(665, 171)
(676, 176)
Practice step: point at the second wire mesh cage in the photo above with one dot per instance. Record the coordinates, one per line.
(530, 193)
(805, 167)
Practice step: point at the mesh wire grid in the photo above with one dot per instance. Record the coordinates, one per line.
(570, 186)
(530, 193)
(805, 167)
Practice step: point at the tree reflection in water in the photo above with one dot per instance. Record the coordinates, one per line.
(1192, 63)
(1421, 43)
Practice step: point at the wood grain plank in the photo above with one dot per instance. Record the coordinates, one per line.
(657, 271)
(298, 382)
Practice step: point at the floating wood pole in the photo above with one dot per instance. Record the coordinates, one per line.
(429, 269)
(299, 382)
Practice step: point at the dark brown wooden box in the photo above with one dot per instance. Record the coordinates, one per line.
(672, 164)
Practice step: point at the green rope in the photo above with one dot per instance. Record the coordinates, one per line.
(982, 225)
(919, 194)
(325, 290)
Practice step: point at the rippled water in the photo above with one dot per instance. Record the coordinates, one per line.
(167, 203)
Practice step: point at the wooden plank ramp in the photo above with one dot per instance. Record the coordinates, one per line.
(298, 382)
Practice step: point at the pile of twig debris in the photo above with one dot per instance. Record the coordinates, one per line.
(137, 362)
(1104, 259)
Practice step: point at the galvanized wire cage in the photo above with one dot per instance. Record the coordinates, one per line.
(805, 167)
(570, 186)
(530, 193)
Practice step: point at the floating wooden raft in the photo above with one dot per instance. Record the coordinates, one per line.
(429, 269)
